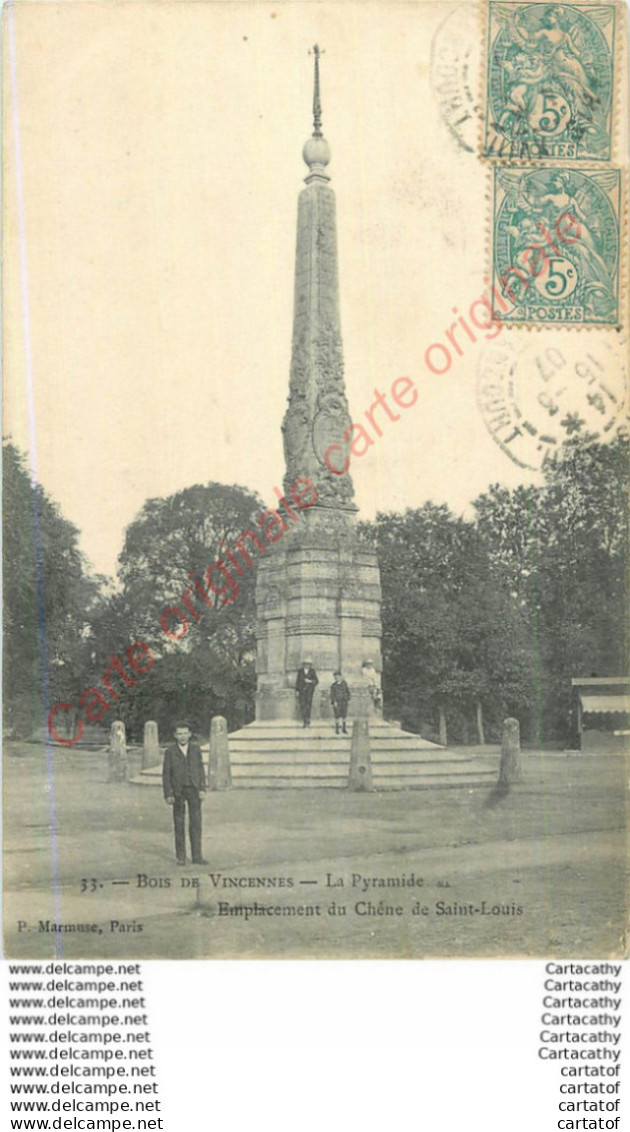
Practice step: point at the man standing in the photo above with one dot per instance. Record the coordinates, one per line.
(339, 697)
(305, 687)
(184, 781)
(370, 676)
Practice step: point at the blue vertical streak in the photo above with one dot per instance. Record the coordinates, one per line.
(33, 458)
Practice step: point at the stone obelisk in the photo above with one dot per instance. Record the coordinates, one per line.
(318, 592)
(318, 595)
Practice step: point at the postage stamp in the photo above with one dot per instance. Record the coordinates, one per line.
(549, 81)
(533, 393)
(556, 245)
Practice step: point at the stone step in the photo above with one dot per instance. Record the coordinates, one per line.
(379, 786)
(281, 754)
(304, 783)
(340, 742)
(340, 770)
(151, 776)
(285, 733)
(291, 734)
(294, 725)
(380, 757)
(380, 765)
(287, 770)
(388, 775)
(381, 762)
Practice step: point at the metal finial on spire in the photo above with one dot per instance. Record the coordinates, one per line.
(317, 106)
(316, 152)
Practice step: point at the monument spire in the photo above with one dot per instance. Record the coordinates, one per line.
(317, 423)
(317, 106)
(318, 596)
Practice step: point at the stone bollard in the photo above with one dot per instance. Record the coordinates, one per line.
(442, 733)
(511, 770)
(151, 747)
(117, 754)
(134, 763)
(219, 773)
(360, 776)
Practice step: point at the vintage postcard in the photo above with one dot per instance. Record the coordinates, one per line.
(315, 480)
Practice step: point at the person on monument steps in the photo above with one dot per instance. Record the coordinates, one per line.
(184, 781)
(370, 677)
(305, 688)
(339, 698)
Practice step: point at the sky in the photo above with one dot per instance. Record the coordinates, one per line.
(152, 168)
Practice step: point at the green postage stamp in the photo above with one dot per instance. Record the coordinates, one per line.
(549, 81)
(556, 245)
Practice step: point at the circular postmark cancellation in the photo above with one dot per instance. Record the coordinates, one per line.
(533, 397)
(454, 74)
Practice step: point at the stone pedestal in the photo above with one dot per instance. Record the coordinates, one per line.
(134, 763)
(318, 597)
(511, 770)
(151, 746)
(219, 776)
(360, 777)
(117, 753)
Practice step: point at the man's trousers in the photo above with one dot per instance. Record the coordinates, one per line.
(306, 702)
(189, 795)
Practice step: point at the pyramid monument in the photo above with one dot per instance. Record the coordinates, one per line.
(318, 593)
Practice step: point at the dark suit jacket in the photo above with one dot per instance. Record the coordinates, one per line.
(306, 680)
(174, 770)
(339, 694)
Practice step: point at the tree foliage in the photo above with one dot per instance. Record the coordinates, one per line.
(64, 628)
(445, 621)
(47, 600)
(170, 544)
(563, 549)
(504, 610)
(482, 618)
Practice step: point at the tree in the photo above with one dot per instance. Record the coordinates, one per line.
(492, 618)
(511, 526)
(441, 618)
(206, 665)
(47, 600)
(560, 551)
(583, 584)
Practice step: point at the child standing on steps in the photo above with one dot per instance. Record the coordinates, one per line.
(339, 697)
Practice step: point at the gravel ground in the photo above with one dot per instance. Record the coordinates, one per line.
(541, 872)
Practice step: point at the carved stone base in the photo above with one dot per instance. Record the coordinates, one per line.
(318, 598)
(282, 702)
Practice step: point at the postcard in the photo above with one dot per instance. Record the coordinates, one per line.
(315, 480)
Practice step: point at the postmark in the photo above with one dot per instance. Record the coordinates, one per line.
(549, 81)
(556, 245)
(533, 396)
(455, 63)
